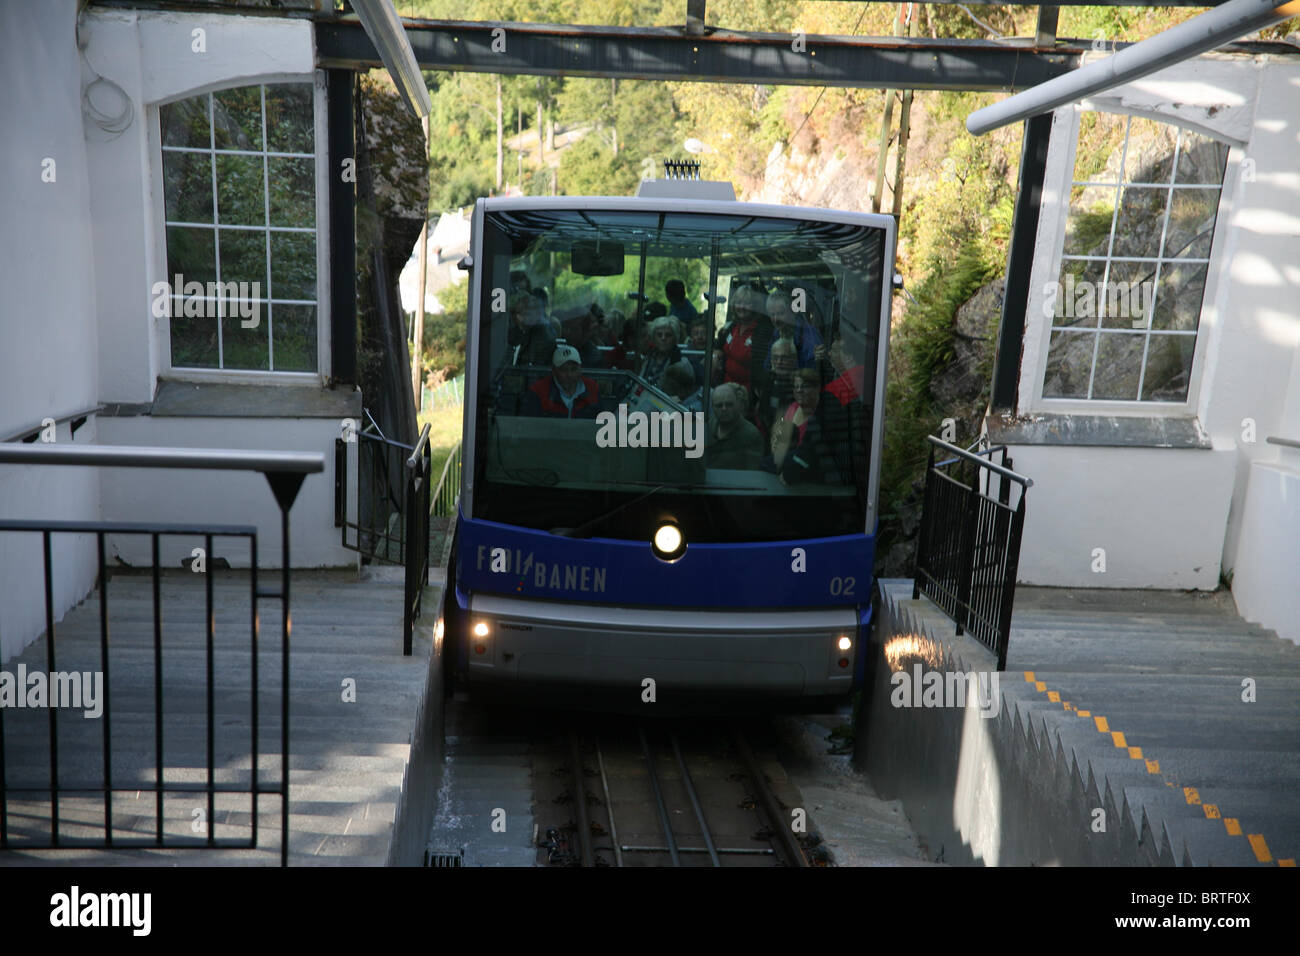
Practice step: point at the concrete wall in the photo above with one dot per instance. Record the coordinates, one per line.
(1003, 790)
(225, 497)
(1158, 514)
(1174, 517)
(1266, 582)
(48, 335)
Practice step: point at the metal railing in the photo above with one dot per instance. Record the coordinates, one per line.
(968, 550)
(284, 472)
(377, 529)
(418, 467)
(442, 515)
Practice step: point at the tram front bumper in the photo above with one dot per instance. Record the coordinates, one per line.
(787, 653)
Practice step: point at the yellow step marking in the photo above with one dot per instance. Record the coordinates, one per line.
(1135, 753)
(1102, 726)
(1068, 706)
(1286, 862)
(1260, 847)
(1054, 697)
(1084, 713)
(1118, 737)
(1211, 811)
(1029, 677)
(1153, 766)
(1040, 686)
(1233, 827)
(1191, 794)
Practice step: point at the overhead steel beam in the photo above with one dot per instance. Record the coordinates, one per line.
(653, 53)
(1189, 38)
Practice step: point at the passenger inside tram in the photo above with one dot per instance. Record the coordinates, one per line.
(733, 441)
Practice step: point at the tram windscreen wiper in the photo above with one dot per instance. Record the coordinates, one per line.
(582, 529)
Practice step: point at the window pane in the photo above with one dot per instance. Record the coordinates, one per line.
(237, 118)
(1191, 222)
(1169, 368)
(187, 186)
(1087, 231)
(289, 118)
(1178, 298)
(1150, 154)
(1202, 160)
(246, 348)
(1097, 158)
(1119, 362)
(295, 338)
(1076, 299)
(240, 190)
(1129, 289)
(243, 258)
(192, 253)
(293, 191)
(293, 265)
(185, 123)
(1141, 217)
(1068, 360)
(194, 339)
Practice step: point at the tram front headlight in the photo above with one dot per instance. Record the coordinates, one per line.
(481, 629)
(845, 643)
(668, 542)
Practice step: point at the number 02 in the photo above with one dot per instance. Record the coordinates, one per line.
(842, 586)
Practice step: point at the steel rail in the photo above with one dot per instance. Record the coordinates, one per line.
(659, 797)
(790, 846)
(580, 800)
(609, 806)
(695, 802)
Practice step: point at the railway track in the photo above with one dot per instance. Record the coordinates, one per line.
(663, 794)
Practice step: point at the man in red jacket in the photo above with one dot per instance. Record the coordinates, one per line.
(565, 393)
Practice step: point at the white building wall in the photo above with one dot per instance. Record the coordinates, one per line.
(48, 337)
(1174, 517)
(226, 497)
(1156, 513)
(152, 57)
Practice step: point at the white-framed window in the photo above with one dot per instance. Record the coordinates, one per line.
(240, 221)
(1121, 310)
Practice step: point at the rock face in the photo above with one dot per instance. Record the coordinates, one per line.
(392, 199)
(961, 389)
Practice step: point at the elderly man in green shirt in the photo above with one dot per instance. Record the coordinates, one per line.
(733, 441)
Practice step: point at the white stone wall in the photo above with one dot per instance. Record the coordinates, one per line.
(1176, 517)
(48, 335)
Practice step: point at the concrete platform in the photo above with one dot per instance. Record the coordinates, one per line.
(1134, 727)
(363, 744)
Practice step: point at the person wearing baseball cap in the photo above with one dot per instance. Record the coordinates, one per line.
(566, 392)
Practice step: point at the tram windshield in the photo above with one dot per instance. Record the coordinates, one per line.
(720, 369)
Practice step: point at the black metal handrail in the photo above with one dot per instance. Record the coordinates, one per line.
(284, 472)
(968, 549)
(379, 496)
(29, 434)
(418, 466)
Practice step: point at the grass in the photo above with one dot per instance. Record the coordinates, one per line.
(444, 433)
